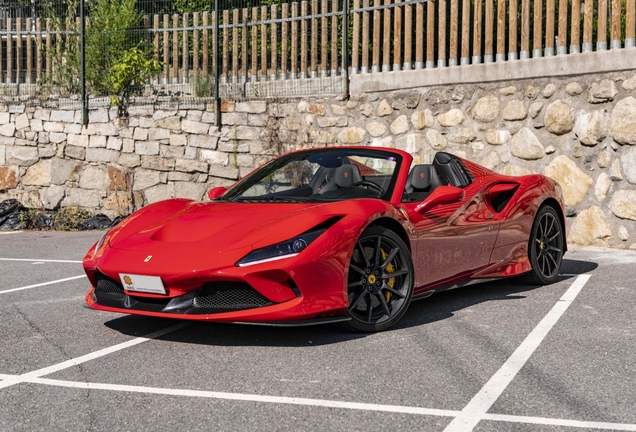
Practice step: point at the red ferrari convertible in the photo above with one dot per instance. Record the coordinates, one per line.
(349, 234)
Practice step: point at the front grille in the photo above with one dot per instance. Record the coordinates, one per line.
(108, 290)
(228, 296)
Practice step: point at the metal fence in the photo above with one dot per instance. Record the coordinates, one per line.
(192, 52)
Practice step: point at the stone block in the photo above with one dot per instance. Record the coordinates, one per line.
(62, 116)
(628, 164)
(162, 114)
(436, 140)
(147, 148)
(145, 178)
(228, 172)
(130, 160)
(190, 166)
(574, 182)
(178, 140)
(8, 177)
(140, 134)
(332, 122)
(526, 145)
(214, 157)
(261, 120)
(623, 204)
(5, 118)
(602, 91)
(189, 190)
(82, 198)
(352, 135)
(101, 155)
(172, 123)
(157, 163)
(454, 117)
(203, 141)
(157, 134)
(252, 107)
(106, 129)
(194, 127)
(590, 228)
(7, 130)
(376, 129)
(21, 156)
(558, 118)
(2, 155)
(22, 122)
(41, 114)
(623, 121)
(93, 178)
(37, 125)
(74, 152)
(158, 193)
(99, 116)
(73, 128)
(114, 143)
(52, 196)
(486, 110)
(97, 141)
(54, 127)
(180, 176)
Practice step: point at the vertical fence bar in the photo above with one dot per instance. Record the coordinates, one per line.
(489, 39)
(601, 35)
(587, 25)
(226, 47)
(195, 45)
(365, 39)
(38, 50)
(500, 56)
(430, 34)
(284, 36)
(512, 31)
(254, 53)
(215, 63)
(82, 43)
(397, 37)
(454, 12)
(303, 39)
(263, 43)
(562, 41)
(575, 28)
(376, 38)
(408, 35)
(537, 34)
(274, 38)
(465, 50)
(630, 24)
(9, 51)
(334, 39)
(419, 36)
(49, 43)
(155, 28)
(166, 48)
(345, 47)
(355, 66)
(206, 44)
(615, 42)
(324, 38)
(175, 49)
(29, 53)
(477, 33)
(244, 51)
(294, 42)
(441, 40)
(235, 45)
(186, 49)
(314, 39)
(525, 29)
(386, 48)
(549, 28)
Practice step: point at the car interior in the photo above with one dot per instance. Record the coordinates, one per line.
(446, 169)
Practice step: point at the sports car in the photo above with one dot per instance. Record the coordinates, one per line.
(351, 234)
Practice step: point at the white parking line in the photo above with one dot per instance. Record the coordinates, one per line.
(479, 405)
(16, 379)
(560, 422)
(40, 260)
(9, 232)
(41, 284)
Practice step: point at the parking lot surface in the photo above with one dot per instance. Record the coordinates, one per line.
(502, 356)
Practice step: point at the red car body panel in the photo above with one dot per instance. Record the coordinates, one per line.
(192, 243)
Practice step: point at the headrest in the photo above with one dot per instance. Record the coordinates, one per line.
(346, 175)
(421, 176)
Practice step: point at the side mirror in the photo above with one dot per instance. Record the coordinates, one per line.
(216, 192)
(441, 195)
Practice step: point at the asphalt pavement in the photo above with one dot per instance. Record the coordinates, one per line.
(502, 356)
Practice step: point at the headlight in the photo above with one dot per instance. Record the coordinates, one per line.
(100, 243)
(287, 249)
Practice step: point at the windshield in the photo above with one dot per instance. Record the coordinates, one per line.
(321, 175)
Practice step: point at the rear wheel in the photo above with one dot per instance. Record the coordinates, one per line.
(546, 246)
(380, 282)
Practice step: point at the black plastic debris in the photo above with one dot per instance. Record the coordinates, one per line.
(97, 222)
(10, 215)
(43, 221)
(117, 220)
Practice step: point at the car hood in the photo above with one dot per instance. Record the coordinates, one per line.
(218, 226)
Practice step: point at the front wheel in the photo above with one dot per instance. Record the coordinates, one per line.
(546, 246)
(380, 282)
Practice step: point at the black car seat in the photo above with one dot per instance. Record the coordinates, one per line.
(423, 179)
(345, 176)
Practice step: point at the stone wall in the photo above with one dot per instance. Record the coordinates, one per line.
(578, 130)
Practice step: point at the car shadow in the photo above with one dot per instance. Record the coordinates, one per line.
(438, 307)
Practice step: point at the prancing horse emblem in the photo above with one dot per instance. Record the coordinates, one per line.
(148, 258)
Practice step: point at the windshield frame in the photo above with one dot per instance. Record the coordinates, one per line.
(272, 166)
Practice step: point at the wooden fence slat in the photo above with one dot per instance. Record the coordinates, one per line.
(186, 49)
(175, 49)
(225, 65)
(303, 40)
(501, 31)
(615, 42)
(587, 25)
(206, 44)
(454, 21)
(376, 38)
(441, 41)
(10, 53)
(364, 68)
(195, 45)
(355, 45)
(324, 38)
(512, 31)
(477, 33)
(284, 44)
(465, 49)
(397, 37)
(314, 39)
(294, 42)
(549, 28)
(575, 27)
(274, 44)
(430, 34)
(38, 50)
(537, 33)
(49, 43)
(334, 39)
(562, 42)
(235, 45)
(525, 29)
(29, 52)
(18, 50)
(601, 35)
(419, 36)
(263, 43)
(489, 38)
(155, 27)
(386, 48)
(254, 44)
(408, 34)
(630, 24)
(166, 48)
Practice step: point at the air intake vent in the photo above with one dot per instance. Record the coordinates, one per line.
(109, 292)
(228, 296)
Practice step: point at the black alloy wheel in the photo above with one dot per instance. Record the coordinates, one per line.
(546, 246)
(380, 282)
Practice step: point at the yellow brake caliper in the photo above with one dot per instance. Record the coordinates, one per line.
(389, 269)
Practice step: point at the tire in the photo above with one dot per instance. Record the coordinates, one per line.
(545, 247)
(380, 281)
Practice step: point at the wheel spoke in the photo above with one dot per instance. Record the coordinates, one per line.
(389, 258)
(383, 303)
(394, 274)
(552, 248)
(355, 284)
(361, 250)
(394, 291)
(358, 269)
(551, 226)
(369, 309)
(353, 305)
(551, 239)
(377, 252)
(543, 259)
(553, 262)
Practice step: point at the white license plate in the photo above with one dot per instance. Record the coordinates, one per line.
(139, 283)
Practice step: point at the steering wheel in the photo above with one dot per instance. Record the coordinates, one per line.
(369, 184)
